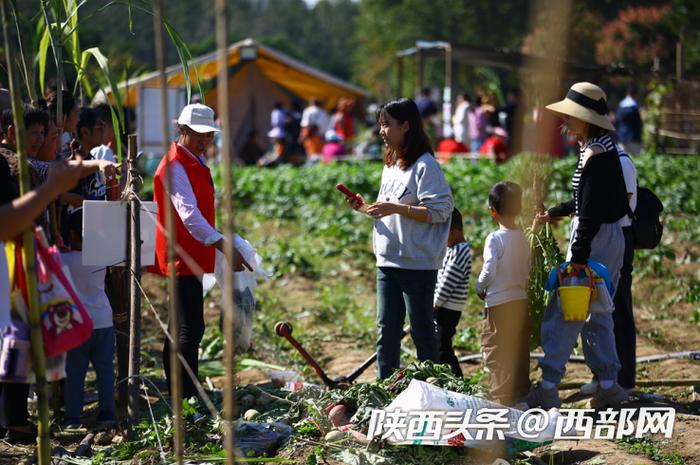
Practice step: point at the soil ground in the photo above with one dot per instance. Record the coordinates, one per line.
(663, 326)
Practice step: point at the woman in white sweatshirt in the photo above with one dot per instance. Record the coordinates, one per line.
(412, 221)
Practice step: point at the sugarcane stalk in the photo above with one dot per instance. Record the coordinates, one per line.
(227, 210)
(28, 254)
(175, 369)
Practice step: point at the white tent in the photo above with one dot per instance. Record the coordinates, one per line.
(258, 77)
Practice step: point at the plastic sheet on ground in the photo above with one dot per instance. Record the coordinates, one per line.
(419, 399)
(362, 457)
(257, 439)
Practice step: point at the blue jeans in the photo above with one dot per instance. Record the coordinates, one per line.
(399, 292)
(99, 350)
(597, 334)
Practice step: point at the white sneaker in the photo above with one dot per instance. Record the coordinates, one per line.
(612, 397)
(591, 388)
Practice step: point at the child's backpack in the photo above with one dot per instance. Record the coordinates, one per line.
(646, 223)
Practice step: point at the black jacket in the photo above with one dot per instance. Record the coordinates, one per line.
(602, 199)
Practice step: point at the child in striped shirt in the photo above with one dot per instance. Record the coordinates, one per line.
(502, 283)
(451, 291)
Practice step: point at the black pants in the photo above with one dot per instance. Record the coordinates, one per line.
(190, 308)
(13, 404)
(623, 318)
(447, 321)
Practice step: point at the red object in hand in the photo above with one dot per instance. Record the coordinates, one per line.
(348, 193)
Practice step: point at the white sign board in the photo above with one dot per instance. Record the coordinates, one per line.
(105, 229)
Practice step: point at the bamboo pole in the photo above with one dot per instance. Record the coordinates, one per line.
(227, 213)
(175, 369)
(28, 257)
(134, 288)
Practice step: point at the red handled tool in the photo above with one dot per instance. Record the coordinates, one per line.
(284, 329)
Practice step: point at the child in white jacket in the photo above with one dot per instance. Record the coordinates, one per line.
(502, 283)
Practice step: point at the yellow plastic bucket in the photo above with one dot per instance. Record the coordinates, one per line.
(575, 301)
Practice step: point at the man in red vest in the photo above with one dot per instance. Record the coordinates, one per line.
(192, 200)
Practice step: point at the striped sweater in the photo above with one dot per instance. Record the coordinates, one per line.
(453, 278)
(606, 143)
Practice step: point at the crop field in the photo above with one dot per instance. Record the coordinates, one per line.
(322, 281)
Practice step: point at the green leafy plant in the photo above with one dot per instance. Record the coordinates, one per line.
(545, 256)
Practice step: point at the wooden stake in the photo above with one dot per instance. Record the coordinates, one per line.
(227, 212)
(28, 257)
(117, 289)
(134, 288)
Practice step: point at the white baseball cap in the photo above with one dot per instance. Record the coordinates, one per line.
(198, 117)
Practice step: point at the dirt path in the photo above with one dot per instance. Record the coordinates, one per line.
(343, 355)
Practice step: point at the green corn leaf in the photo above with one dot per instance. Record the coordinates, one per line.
(71, 7)
(72, 22)
(43, 55)
(131, 20)
(116, 111)
(103, 63)
(181, 47)
(183, 52)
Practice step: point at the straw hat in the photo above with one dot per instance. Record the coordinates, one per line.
(587, 102)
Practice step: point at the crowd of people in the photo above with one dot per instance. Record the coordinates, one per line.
(481, 126)
(70, 160)
(423, 259)
(424, 263)
(305, 136)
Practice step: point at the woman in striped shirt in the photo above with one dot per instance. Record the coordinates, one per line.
(599, 201)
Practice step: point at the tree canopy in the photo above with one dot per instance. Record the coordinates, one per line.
(357, 39)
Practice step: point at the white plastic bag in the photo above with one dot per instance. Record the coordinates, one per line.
(421, 397)
(245, 283)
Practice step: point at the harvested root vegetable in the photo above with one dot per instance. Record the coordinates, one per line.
(251, 415)
(335, 436)
(338, 417)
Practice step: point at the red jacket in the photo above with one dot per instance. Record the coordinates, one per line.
(188, 250)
